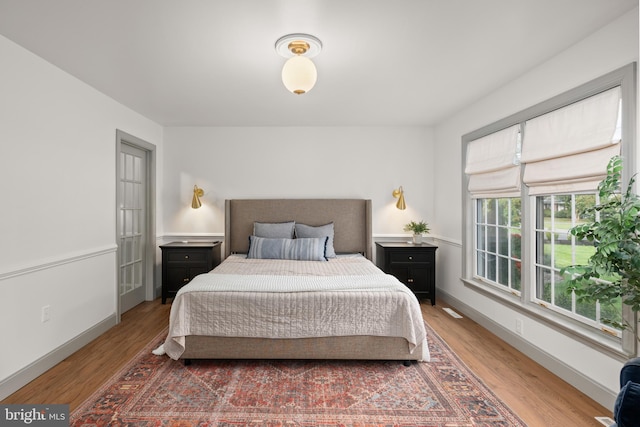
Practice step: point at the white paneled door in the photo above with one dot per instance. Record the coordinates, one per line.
(132, 196)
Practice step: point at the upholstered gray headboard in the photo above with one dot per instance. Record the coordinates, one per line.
(351, 220)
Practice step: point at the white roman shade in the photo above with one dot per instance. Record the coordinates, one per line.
(567, 150)
(493, 166)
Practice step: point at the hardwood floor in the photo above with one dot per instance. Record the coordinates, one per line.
(537, 396)
(79, 375)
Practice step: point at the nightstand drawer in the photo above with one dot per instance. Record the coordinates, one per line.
(411, 257)
(414, 278)
(176, 278)
(187, 256)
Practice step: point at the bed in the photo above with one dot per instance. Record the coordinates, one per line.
(341, 307)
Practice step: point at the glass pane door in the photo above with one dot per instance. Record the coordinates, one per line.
(132, 226)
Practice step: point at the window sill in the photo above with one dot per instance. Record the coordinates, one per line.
(595, 339)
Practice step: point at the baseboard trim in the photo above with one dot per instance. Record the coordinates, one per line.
(30, 372)
(594, 390)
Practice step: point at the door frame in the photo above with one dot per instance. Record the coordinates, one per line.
(150, 209)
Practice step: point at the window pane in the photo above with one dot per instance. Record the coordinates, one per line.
(503, 271)
(491, 239)
(137, 169)
(548, 249)
(128, 167)
(481, 242)
(546, 217)
(543, 290)
(135, 227)
(613, 312)
(123, 278)
(516, 245)
(583, 251)
(561, 298)
(137, 280)
(128, 194)
(503, 211)
(583, 202)
(503, 241)
(128, 222)
(516, 212)
(491, 211)
(481, 271)
(563, 252)
(491, 267)
(516, 272)
(586, 309)
(562, 208)
(543, 240)
(480, 208)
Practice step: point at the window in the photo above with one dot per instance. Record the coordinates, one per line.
(498, 242)
(556, 249)
(529, 178)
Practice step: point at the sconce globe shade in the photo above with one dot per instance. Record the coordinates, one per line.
(299, 74)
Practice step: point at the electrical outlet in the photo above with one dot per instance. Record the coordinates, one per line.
(46, 313)
(519, 329)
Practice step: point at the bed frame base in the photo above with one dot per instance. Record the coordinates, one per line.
(349, 347)
(187, 362)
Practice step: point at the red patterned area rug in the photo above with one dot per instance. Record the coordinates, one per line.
(157, 391)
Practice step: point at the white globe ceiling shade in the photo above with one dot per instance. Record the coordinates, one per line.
(299, 74)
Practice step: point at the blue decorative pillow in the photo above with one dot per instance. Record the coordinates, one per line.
(277, 230)
(304, 231)
(626, 411)
(312, 249)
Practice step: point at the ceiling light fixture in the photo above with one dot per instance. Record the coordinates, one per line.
(299, 73)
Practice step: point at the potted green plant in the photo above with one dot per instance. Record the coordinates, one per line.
(418, 229)
(613, 271)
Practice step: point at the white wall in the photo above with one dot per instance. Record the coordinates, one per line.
(57, 222)
(296, 162)
(608, 49)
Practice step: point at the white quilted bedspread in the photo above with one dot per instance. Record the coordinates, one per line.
(295, 299)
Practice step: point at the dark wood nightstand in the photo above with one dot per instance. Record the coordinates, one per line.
(413, 265)
(182, 261)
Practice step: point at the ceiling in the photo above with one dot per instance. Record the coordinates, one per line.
(213, 62)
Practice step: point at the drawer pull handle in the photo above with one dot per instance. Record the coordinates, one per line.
(410, 257)
(410, 280)
(185, 280)
(186, 257)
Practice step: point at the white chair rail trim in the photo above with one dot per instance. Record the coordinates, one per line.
(57, 261)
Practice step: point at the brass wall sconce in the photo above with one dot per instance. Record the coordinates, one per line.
(399, 194)
(197, 193)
